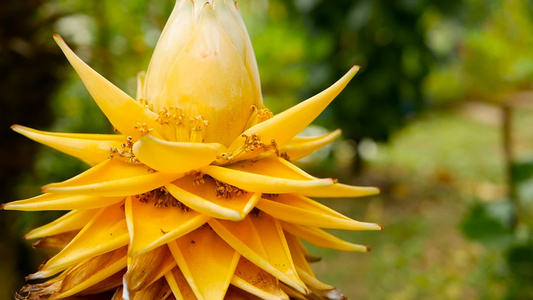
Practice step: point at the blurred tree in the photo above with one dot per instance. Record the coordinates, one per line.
(388, 39)
(31, 69)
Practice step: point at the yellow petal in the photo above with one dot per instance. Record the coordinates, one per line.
(179, 285)
(121, 110)
(293, 294)
(107, 231)
(205, 199)
(311, 281)
(284, 126)
(299, 253)
(244, 237)
(61, 202)
(91, 272)
(321, 238)
(175, 157)
(113, 178)
(166, 224)
(207, 262)
(73, 220)
(91, 148)
(300, 147)
(302, 216)
(262, 183)
(307, 204)
(142, 270)
(272, 166)
(339, 190)
(255, 281)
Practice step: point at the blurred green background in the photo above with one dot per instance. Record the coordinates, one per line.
(440, 117)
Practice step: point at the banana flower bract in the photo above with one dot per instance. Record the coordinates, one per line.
(196, 197)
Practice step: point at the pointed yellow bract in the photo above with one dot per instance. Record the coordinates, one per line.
(197, 197)
(73, 220)
(121, 110)
(91, 148)
(207, 262)
(175, 157)
(165, 224)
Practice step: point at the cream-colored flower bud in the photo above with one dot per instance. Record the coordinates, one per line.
(204, 65)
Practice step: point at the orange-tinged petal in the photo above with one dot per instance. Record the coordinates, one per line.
(91, 148)
(262, 183)
(146, 268)
(107, 231)
(256, 281)
(165, 224)
(321, 238)
(91, 272)
(205, 199)
(299, 147)
(175, 157)
(113, 178)
(179, 285)
(286, 125)
(61, 202)
(121, 110)
(244, 237)
(302, 216)
(207, 262)
(73, 220)
(238, 294)
(57, 241)
(157, 290)
(339, 190)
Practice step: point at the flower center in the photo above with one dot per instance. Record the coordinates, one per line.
(161, 197)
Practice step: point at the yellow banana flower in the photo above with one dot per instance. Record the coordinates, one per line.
(196, 197)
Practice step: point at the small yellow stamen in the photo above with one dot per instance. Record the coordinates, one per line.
(142, 127)
(198, 126)
(258, 115)
(227, 191)
(146, 105)
(198, 177)
(252, 147)
(126, 153)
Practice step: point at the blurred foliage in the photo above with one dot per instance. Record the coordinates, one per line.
(492, 53)
(416, 55)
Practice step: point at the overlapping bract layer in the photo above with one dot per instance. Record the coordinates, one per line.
(173, 209)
